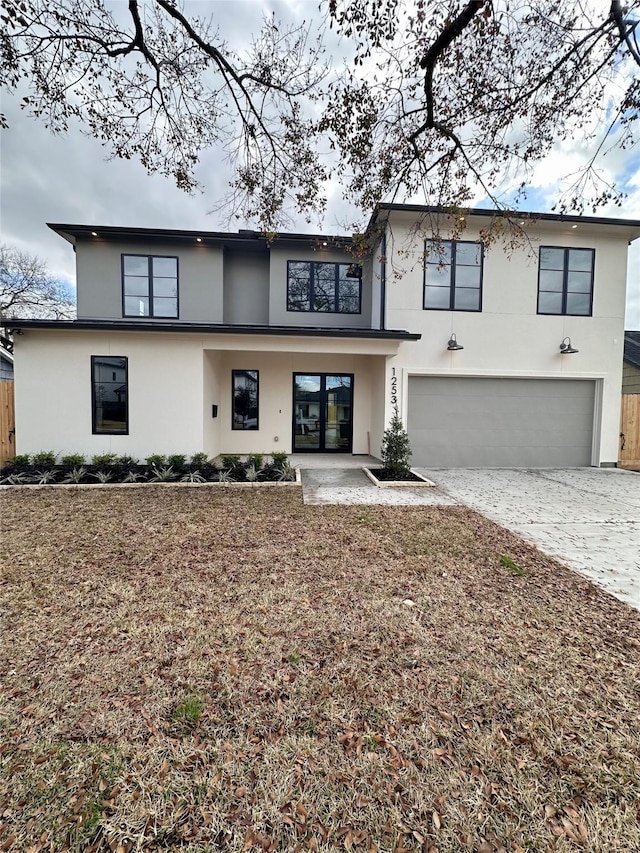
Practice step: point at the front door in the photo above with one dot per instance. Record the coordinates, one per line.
(322, 412)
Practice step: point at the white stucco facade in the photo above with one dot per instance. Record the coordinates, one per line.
(174, 380)
(508, 338)
(233, 302)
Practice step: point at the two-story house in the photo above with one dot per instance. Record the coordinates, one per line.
(189, 341)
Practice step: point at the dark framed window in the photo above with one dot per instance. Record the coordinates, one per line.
(453, 275)
(109, 395)
(245, 399)
(565, 281)
(149, 286)
(321, 286)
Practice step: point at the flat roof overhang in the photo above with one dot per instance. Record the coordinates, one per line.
(384, 209)
(211, 336)
(245, 239)
(17, 325)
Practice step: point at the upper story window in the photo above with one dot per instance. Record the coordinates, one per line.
(149, 286)
(322, 286)
(109, 395)
(565, 281)
(453, 275)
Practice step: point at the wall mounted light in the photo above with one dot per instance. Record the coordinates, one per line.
(453, 343)
(94, 233)
(566, 348)
(198, 239)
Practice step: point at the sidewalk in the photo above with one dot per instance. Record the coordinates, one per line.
(348, 484)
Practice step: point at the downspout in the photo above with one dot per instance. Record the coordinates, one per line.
(383, 282)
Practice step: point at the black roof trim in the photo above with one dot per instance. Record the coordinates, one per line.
(254, 238)
(516, 214)
(632, 348)
(211, 329)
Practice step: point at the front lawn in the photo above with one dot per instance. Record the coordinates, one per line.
(232, 670)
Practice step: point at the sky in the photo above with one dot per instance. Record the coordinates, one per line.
(46, 178)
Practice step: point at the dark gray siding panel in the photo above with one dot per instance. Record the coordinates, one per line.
(500, 423)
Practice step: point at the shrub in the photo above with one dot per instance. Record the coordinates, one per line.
(176, 460)
(193, 477)
(43, 478)
(132, 477)
(256, 459)
(251, 474)
(396, 448)
(230, 460)
(156, 460)
(45, 457)
(22, 460)
(103, 476)
(162, 475)
(20, 478)
(127, 461)
(73, 459)
(76, 475)
(104, 459)
(199, 458)
(286, 473)
(279, 458)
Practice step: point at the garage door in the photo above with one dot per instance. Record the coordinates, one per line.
(500, 423)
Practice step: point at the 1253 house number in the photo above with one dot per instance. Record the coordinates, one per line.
(394, 387)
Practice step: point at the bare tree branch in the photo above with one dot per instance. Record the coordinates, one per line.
(27, 288)
(443, 100)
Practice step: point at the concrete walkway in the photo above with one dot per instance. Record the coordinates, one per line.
(322, 486)
(588, 518)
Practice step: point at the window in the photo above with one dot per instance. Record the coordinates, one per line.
(323, 287)
(149, 286)
(109, 395)
(245, 399)
(565, 281)
(453, 275)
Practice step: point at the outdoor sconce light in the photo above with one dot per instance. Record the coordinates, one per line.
(566, 348)
(453, 343)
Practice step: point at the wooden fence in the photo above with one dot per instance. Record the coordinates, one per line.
(629, 453)
(7, 421)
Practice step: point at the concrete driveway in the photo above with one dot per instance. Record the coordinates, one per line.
(589, 518)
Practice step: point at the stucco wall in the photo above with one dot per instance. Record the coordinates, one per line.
(278, 314)
(174, 379)
(276, 371)
(53, 393)
(246, 288)
(200, 279)
(508, 338)
(211, 396)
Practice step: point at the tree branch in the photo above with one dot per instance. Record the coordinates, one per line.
(625, 31)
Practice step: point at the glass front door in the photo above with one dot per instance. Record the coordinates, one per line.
(322, 412)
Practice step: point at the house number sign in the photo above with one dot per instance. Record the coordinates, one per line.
(394, 387)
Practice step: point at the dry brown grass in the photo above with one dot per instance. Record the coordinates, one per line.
(232, 670)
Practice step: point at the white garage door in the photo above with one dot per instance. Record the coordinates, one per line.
(500, 423)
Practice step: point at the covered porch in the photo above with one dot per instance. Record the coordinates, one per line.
(299, 395)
